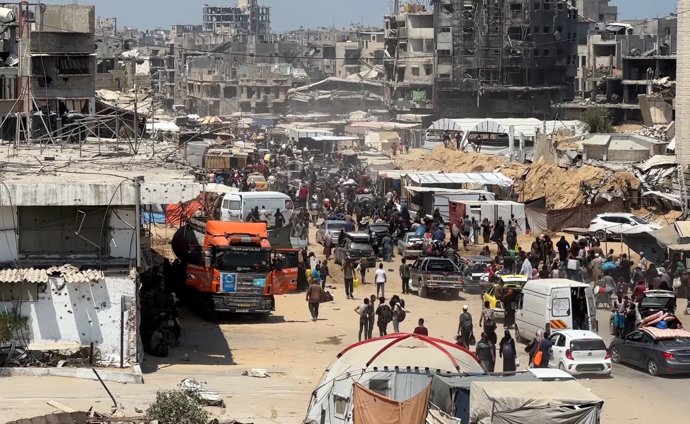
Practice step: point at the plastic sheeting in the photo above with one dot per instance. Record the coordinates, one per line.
(373, 408)
(534, 402)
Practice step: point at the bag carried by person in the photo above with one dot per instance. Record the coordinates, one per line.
(402, 314)
(489, 323)
(355, 282)
(386, 314)
(473, 341)
(537, 358)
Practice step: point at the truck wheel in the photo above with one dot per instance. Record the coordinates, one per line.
(208, 311)
(423, 292)
(264, 316)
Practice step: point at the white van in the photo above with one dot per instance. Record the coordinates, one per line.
(557, 303)
(236, 206)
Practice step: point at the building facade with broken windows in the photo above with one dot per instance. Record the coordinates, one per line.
(504, 58)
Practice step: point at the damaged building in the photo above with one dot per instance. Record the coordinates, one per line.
(504, 58)
(629, 68)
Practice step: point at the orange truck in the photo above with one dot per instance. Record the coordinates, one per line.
(229, 268)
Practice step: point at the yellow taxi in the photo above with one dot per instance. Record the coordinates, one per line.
(510, 282)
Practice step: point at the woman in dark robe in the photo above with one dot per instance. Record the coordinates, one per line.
(506, 350)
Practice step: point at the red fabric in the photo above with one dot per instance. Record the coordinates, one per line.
(421, 330)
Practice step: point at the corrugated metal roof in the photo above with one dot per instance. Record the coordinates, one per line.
(484, 178)
(656, 160)
(70, 273)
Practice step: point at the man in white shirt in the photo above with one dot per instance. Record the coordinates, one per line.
(380, 279)
(526, 268)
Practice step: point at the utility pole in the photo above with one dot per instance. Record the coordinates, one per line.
(136, 121)
(137, 217)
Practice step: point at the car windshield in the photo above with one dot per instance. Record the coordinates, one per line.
(243, 259)
(677, 342)
(361, 246)
(442, 266)
(587, 344)
(477, 268)
(655, 302)
(639, 220)
(336, 225)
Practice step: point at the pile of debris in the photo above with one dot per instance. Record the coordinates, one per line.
(562, 188)
(659, 132)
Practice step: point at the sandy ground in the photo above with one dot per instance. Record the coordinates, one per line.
(296, 351)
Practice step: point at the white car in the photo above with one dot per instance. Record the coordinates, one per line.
(579, 352)
(612, 225)
(410, 246)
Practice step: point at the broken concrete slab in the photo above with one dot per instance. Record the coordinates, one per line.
(124, 377)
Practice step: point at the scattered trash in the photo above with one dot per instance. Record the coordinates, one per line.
(138, 410)
(257, 372)
(198, 389)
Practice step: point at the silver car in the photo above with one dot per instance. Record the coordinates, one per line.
(410, 246)
(333, 227)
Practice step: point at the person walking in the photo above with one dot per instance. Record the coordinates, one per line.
(380, 279)
(371, 312)
(465, 326)
(506, 350)
(421, 329)
(324, 272)
(314, 298)
(362, 311)
(485, 353)
(398, 312)
(348, 275)
(487, 320)
(405, 276)
(384, 315)
(486, 230)
(363, 269)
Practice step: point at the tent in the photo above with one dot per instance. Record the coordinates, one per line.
(540, 402)
(397, 366)
(451, 394)
(492, 209)
(541, 219)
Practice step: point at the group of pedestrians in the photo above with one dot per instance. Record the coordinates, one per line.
(486, 347)
(386, 313)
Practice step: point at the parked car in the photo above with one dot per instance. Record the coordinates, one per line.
(332, 227)
(660, 352)
(510, 282)
(410, 246)
(612, 225)
(437, 274)
(579, 352)
(474, 276)
(355, 247)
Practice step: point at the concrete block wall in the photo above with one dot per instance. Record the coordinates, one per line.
(79, 314)
(683, 85)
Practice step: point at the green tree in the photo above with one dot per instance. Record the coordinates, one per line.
(10, 323)
(176, 407)
(598, 119)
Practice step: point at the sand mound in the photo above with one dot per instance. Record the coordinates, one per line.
(562, 188)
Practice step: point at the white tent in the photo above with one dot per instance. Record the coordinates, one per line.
(397, 366)
(540, 402)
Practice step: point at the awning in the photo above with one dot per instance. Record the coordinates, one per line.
(70, 273)
(482, 178)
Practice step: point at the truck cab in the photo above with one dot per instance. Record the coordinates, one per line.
(435, 274)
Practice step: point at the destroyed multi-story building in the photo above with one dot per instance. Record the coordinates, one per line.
(628, 68)
(411, 57)
(504, 58)
(248, 18)
(63, 63)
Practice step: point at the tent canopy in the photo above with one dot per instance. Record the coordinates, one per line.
(529, 127)
(482, 178)
(495, 402)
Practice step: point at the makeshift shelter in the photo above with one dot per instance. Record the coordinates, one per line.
(541, 219)
(451, 394)
(382, 141)
(431, 198)
(397, 366)
(541, 402)
(492, 209)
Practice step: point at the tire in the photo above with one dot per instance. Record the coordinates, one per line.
(615, 355)
(600, 235)
(561, 367)
(652, 368)
(423, 292)
(612, 329)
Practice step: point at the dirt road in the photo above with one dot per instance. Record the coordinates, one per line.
(296, 351)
